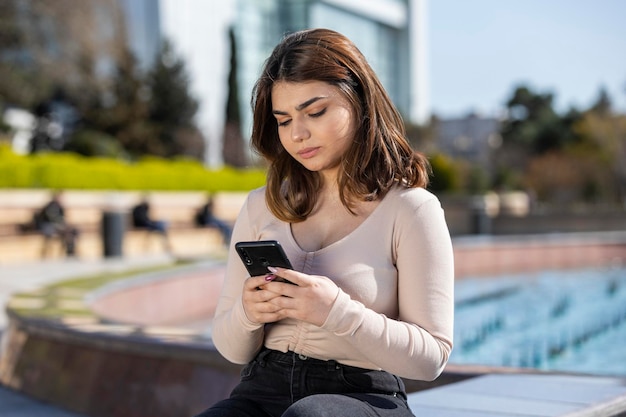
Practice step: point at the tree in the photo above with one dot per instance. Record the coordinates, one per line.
(122, 111)
(172, 107)
(233, 143)
(603, 104)
(602, 136)
(62, 46)
(445, 175)
(587, 161)
(57, 44)
(532, 128)
(21, 80)
(569, 176)
(80, 48)
(533, 123)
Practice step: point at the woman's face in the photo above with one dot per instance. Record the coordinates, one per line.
(315, 123)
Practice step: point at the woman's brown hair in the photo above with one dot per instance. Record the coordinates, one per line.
(380, 155)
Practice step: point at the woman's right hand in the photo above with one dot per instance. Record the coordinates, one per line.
(257, 301)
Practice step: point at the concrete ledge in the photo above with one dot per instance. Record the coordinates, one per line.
(189, 296)
(96, 372)
(524, 395)
(101, 367)
(489, 256)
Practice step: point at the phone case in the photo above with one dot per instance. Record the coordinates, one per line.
(258, 255)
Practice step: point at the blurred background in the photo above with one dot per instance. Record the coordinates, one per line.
(525, 96)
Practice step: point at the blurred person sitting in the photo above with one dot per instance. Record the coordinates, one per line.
(50, 221)
(142, 220)
(205, 217)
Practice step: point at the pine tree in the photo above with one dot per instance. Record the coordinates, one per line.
(233, 144)
(172, 107)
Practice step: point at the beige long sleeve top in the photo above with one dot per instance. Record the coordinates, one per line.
(395, 305)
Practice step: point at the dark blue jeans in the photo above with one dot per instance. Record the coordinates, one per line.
(286, 384)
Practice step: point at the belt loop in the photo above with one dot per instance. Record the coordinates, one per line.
(260, 357)
(333, 365)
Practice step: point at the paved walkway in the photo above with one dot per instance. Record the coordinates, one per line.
(28, 277)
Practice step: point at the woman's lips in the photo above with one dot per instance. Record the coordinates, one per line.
(307, 153)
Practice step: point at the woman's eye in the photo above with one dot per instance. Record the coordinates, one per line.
(283, 123)
(318, 114)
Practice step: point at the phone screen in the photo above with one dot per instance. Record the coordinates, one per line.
(258, 255)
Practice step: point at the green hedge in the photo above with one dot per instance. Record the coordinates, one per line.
(72, 171)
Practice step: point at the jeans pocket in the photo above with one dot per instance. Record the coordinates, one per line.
(365, 380)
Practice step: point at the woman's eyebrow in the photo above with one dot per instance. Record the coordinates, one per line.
(301, 105)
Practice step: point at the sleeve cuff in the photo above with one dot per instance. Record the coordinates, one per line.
(345, 316)
(243, 319)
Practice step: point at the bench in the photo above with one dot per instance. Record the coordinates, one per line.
(85, 210)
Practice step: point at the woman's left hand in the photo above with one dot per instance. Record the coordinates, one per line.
(309, 300)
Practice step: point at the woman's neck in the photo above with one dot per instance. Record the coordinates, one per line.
(329, 189)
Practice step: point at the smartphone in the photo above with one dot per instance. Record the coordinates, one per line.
(258, 255)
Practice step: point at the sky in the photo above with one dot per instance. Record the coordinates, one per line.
(480, 50)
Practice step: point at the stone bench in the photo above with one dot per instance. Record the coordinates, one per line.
(185, 242)
(85, 210)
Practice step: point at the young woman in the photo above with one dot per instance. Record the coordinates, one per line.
(370, 249)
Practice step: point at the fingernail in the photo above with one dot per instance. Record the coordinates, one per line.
(270, 277)
(272, 269)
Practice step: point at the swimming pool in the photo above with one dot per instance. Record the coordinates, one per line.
(572, 321)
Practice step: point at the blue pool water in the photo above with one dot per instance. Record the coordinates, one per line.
(571, 321)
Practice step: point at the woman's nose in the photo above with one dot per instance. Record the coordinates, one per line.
(299, 131)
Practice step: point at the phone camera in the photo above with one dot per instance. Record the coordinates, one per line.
(246, 257)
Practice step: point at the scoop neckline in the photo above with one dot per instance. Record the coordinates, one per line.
(374, 213)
